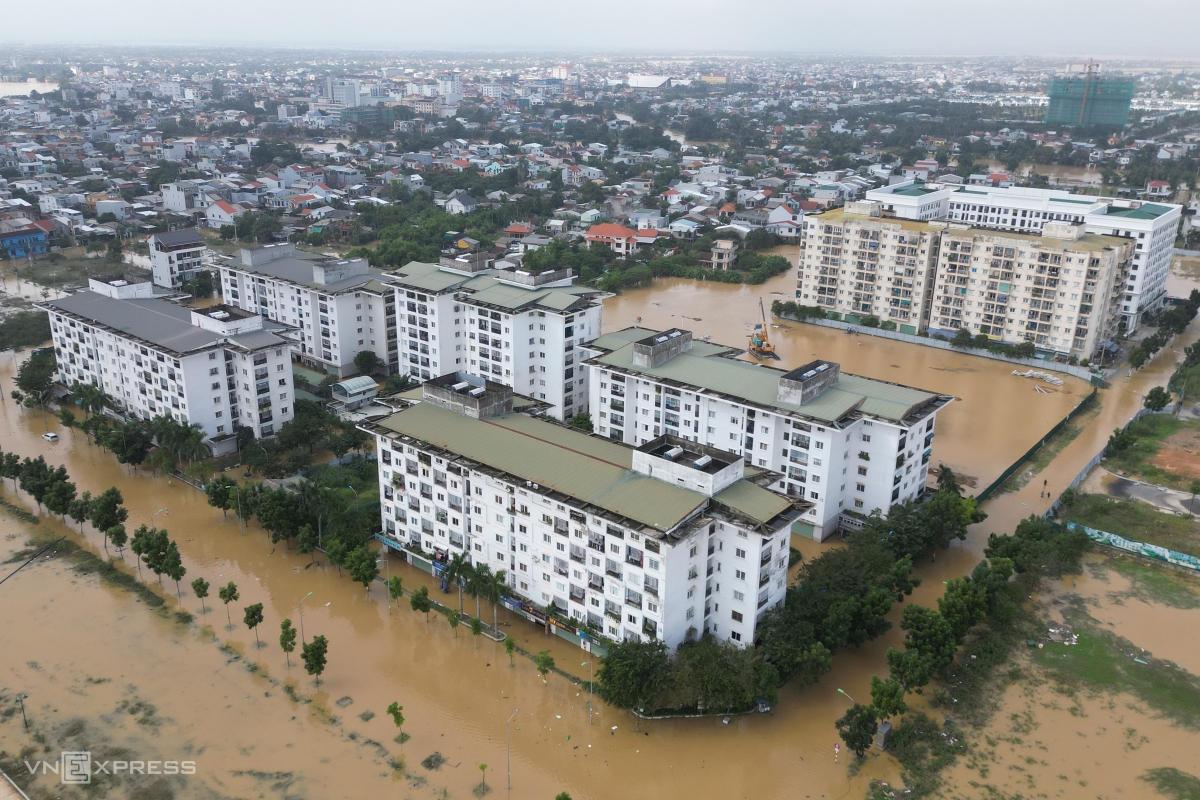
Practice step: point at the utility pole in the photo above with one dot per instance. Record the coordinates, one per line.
(507, 744)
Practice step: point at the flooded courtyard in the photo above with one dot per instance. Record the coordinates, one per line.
(102, 670)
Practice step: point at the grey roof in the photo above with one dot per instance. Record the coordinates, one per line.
(165, 325)
(484, 288)
(185, 236)
(299, 271)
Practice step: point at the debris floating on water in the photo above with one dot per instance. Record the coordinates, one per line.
(1037, 374)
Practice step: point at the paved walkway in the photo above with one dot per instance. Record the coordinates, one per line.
(1101, 481)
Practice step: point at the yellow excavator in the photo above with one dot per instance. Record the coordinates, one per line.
(760, 340)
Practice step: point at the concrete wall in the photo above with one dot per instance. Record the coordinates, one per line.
(1078, 372)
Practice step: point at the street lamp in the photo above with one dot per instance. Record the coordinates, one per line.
(591, 687)
(351, 488)
(160, 511)
(302, 599)
(508, 745)
(852, 700)
(241, 522)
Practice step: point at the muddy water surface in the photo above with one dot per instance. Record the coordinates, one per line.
(250, 739)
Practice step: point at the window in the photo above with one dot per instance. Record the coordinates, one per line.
(691, 593)
(738, 596)
(862, 470)
(740, 553)
(737, 637)
(737, 616)
(739, 574)
(691, 612)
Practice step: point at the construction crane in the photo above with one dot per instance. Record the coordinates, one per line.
(760, 340)
(1091, 71)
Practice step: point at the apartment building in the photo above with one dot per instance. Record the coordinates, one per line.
(335, 308)
(513, 327)
(217, 367)
(1059, 289)
(176, 257)
(856, 262)
(1019, 209)
(669, 540)
(845, 444)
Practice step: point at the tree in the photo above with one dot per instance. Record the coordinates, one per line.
(454, 616)
(366, 362)
(930, 634)
(396, 711)
(910, 669)
(253, 618)
(857, 728)
(314, 655)
(458, 570)
(545, 663)
(200, 587)
(476, 626)
(278, 511)
(362, 567)
(963, 605)
(490, 586)
(395, 587)
(10, 467)
(582, 421)
(1121, 440)
(108, 509)
(306, 542)
(287, 640)
(962, 339)
(420, 602)
(887, 698)
(1138, 357)
(67, 418)
(59, 496)
(173, 566)
(219, 491)
(81, 511)
(157, 544)
(1157, 399)
(116, 534)
(510, 644)
(336, 553)
(36, 478)
(483, 780)
(946, 481)
(228, 594)
(138, 545)
(633, 673)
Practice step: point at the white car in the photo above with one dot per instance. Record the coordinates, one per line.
(50, 437)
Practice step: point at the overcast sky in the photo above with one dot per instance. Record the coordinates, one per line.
(867, 27)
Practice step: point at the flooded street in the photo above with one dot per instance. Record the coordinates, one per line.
(79, 649)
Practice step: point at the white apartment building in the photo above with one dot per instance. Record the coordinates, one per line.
(176, 257)
(334, 308)
(217, 367)
(516, 328)
(1152, 226)
(846, 444)
(1059, 289)
(668, 540)
(855, 262)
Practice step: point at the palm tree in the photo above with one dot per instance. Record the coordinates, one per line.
(472, 582)
(457, 570)
(491, 588)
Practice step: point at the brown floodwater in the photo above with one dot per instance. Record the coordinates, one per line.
(59, 630)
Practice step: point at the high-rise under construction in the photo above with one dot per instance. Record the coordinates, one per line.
(1089, 99)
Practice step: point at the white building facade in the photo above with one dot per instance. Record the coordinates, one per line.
(176, 257)
(668, 541)
(335, 308)
(216, 367)
(845, 444)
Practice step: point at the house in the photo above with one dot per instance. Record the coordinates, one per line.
(221, 213)
(722, 256)
(621, 240)
(24, 242)
(784, 222)
(461, 203)
(1159, 190)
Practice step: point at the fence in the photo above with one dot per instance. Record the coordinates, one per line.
(1151, 551)
(1012, 468)
(1076, 371)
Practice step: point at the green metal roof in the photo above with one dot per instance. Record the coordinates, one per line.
(584, 467)
(1144, 211)
(755, 502)
(611, 341)
(759, 384)
(427, 277)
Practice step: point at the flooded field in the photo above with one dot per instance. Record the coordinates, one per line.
(103, 670)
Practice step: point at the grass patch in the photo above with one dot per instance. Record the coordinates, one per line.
(1150, 432)
(19, 513)
(1173, 783)
(367, 716)
(73, 268)
(923, 749)
(402, 738)
(433, 761)
(1134, 519)
(1088, 410)
(1157, 584)
(1105, 661)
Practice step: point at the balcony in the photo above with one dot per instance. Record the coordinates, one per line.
(633, 599)
(442, 517)
(612, 568)
(651, 586)
(766, 577)
(577, 594)
(264, 418)
(595, 582)
(612, 610)
(596, 543)
(578, 554)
